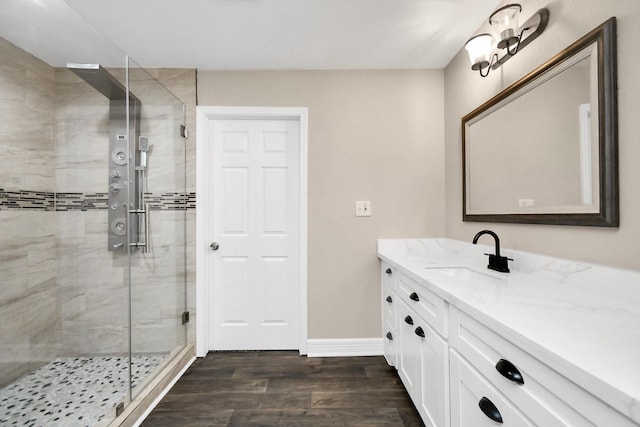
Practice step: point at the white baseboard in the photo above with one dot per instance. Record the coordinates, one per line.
(345, 347)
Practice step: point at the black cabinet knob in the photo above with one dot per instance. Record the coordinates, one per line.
(388, 271)
(489, 409)
(509, 371)
(389, 299)
(389, 336)
(408, 320)
(414, 296)
(419, 331)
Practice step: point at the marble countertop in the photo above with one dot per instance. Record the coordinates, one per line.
(581, 319)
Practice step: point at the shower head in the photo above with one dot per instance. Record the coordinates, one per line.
(100, 79)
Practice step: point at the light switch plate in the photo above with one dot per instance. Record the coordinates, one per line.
(363, 208)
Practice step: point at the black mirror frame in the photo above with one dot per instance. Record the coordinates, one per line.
(608, 215)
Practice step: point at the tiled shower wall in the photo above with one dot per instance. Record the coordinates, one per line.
(62, 292)
(92, 282)
(29, 304)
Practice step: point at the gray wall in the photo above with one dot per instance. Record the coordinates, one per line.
(465, 90)
(373, 135)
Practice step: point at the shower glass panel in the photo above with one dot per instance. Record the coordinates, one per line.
(93, 283)
(158, 268)
(92, 228)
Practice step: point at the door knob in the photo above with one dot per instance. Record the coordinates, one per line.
(214, 246)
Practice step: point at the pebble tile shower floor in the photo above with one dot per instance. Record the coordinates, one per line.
(72, 392)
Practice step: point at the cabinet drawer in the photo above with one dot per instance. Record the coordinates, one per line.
(545, 396)
(468, 388)
(425, 303)
(387, 273)
(389, 303)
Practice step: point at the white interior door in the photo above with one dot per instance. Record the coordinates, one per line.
(254, 226)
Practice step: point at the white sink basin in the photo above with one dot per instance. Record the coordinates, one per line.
(464, 273)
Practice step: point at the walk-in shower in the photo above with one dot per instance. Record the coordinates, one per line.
(93, 209)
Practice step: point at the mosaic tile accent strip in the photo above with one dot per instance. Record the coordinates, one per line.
(25, 199)
(191, 200)
(48, 201)
(81, 201)
(166, 201)
(73, 391)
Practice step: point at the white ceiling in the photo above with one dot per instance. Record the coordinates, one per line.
(250, 34)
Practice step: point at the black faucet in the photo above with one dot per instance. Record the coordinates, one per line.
(496, 262)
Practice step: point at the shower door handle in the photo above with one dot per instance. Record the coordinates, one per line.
(214, 246)
(147, 221)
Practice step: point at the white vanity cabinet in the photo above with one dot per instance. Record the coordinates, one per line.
(515, 379)
(460, 372)
(418, 351)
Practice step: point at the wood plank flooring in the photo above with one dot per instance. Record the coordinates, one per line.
(281, 388)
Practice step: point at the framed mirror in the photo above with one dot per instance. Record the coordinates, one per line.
(544, 150)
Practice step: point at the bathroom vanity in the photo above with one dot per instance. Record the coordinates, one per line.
(552, 343)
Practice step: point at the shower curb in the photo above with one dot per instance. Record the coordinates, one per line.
(139, 407)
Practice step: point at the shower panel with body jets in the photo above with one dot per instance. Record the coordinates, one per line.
(128, 212)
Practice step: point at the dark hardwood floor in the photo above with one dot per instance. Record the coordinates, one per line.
(281, 388)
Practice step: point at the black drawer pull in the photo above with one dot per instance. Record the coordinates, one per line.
(509, 371)
(389, 336)
(388, 271)
(420, 331)
(489, 409)
(408, 320)
(389, 299)
(414, 296)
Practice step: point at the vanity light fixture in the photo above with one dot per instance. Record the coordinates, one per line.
(509, 37)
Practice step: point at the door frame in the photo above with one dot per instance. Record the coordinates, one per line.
(203, 115)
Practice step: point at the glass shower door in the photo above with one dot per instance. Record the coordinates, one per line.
(158, 241)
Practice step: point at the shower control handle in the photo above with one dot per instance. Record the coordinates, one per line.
(214, 246)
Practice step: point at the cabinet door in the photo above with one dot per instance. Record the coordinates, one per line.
(434, 367)
(389, 302)
(388, 275)
(390, 338)
(389, 330)
(408, 347)
(468, 388)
